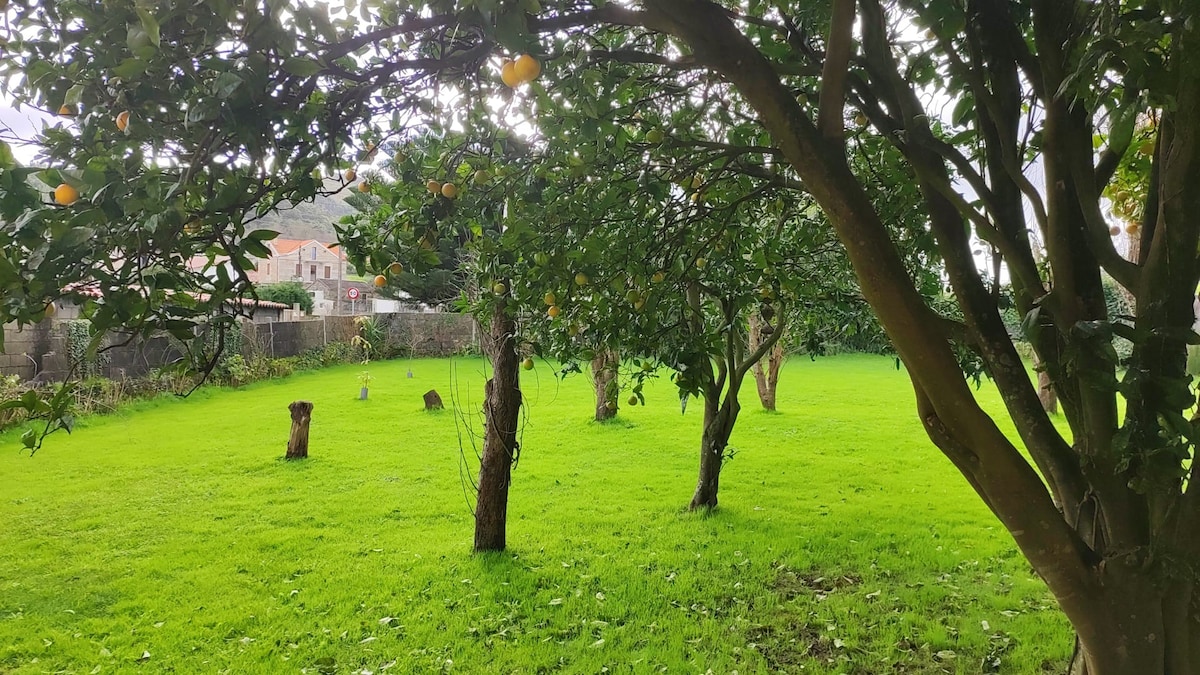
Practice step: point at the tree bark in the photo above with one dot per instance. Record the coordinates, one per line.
(502, 406)
(297, 447)
(767, 380)
(604, 376)
(1046, 393)
(719, 419)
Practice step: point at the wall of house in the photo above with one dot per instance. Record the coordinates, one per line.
(283, 267)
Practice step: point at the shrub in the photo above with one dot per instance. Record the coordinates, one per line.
(288, 293)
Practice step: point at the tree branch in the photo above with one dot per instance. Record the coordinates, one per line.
(830, 120)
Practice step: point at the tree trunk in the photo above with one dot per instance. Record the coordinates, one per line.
(719, 419)
(1045, 387)
(1046, 393)
(1129, 594)
(604, 375)
(767, 380)
(502, 406)
(1148, 628)
(297, 447)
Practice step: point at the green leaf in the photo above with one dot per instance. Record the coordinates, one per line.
(263, 235)
(73, 95)
(150, 25)
(225, 84)
(302, 66)
(130, 68)
(77, 236)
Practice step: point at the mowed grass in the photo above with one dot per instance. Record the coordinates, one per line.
(173, 538)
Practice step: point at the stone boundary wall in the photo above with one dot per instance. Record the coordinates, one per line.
(42, 351)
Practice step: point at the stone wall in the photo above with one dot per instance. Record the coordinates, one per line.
(42, 351)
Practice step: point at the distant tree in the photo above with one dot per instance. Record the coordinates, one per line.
(381, 206)
(287, 292)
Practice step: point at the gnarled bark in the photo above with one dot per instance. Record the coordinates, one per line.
(501, 407)
(767, 380)
(719, 419)
(604, 377)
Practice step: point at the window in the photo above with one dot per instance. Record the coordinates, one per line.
(299, 271)
(314, 253)
(268, 269)
(328, 269)
(312, 272)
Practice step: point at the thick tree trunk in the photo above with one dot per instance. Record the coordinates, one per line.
(719, 419)
(1128, 593)
(1148, 628)
(766, 379)
(297, 447)
(604, 375)
(502, 406)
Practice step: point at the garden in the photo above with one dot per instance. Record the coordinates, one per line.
(172, 537)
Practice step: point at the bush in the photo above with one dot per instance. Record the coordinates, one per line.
(288, 293)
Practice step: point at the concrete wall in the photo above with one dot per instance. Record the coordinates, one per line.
(41, 351)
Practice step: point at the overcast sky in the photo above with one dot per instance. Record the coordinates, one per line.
(19, 128)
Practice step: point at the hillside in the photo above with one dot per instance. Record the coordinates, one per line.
(310, 220)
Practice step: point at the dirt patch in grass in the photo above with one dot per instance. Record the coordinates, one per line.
(791, 583)
(789, 646)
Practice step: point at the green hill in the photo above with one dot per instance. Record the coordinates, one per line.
(310, 220)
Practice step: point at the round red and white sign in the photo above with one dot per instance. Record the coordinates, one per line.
(352, 294)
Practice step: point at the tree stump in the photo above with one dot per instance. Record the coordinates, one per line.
(298, 441)
(432, 400)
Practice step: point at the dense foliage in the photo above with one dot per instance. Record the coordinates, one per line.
(287, 292)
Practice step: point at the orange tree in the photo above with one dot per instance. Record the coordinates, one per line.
(658, 246)
(233, 105)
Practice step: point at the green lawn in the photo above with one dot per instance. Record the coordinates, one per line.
(173, 538)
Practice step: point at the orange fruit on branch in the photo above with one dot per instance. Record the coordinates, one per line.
(526, 68)
(66, 195)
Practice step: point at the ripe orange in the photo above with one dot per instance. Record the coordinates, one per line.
(526, 68)
(395, 268)
(553, 312)
(66, 195)
(433, 186)
(122, 120)
(67, 110)
(364, 186)
(350, 175)
(380, 281)
(1133, 228)
(449, 190)
(508, 74)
